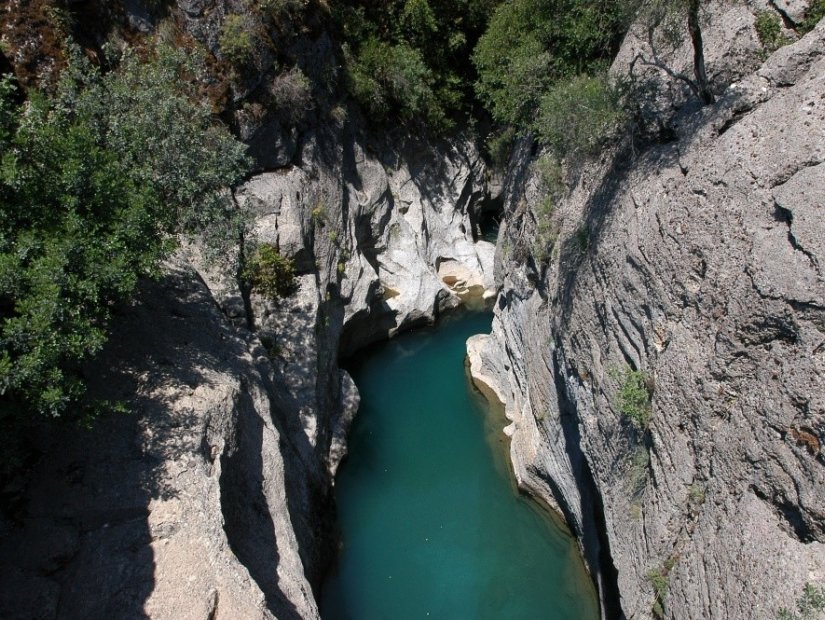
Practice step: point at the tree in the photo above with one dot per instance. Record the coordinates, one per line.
(530, 45)
(667, 14)
(95, 181)
(412, 57)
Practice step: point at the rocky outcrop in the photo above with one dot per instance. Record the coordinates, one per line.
(695, 263)
(178, 509)
(212, 499)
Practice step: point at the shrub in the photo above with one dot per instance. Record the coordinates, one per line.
(237, 40)
(551, 174)
(582, 238)
(637, 474)
(696, 494)
(427, 40)
(769, 30)
(276, 8)
(546, 229)
(815, 12)
(269, 273)
(94, 181)
(578, 115)
(499, 145)
(530, 44)
(809, 605)
(387, 78)
(633, 398)
(658, 578)
(293, 95)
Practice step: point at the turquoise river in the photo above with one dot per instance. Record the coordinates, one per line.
(431, 526)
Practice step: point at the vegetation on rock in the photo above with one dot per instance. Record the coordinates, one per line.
(94, 181)
(769, 30)
(269, 273)
(531, 45)
(411, 58)
(633, 397)
(809, 606)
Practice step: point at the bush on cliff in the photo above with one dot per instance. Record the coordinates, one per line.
(530, 45)
(412, 58)
(94, 181)
(269, 273)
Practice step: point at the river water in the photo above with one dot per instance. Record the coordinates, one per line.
(431, 526)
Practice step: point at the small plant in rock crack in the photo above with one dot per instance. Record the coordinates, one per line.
(637, 472)
(659, 578)
(583, 238)
(809, 606)
(769, 30)
(633, 397)
(546, 229)
(696, 494)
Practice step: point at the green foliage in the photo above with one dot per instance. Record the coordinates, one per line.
(577, 115)
(419, 51)
(94, 180)
(276, 8)
(659, 579)
(546, 229)
(530, 45)
(269, 273)
(815, 12)
(637, 473)
(696, 494)
(237, 39)
(292, 92)
(551, 174)
(769, 29)
(418, 19)
(809, 606)
(582, 238)
(499, 145)
(393, 79)
(633, 398)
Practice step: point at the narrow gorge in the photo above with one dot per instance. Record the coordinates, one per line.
(658, 329)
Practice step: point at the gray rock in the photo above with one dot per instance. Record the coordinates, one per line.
(702, 269)
(179, 508)
(794, 10)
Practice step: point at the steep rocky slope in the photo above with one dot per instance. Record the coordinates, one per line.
(697, 262)
(212, 498)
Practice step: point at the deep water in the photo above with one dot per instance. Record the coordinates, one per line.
(430, 523)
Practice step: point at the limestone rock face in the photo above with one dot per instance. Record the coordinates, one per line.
(213, 500)
(698, 262)
(178, 509)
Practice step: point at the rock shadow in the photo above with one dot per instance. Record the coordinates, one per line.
(80, 544)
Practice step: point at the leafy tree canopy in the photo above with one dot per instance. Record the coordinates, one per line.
(412, 56)
(94, 181)
(531, 44)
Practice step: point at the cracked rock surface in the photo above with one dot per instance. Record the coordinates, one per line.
(699, 263)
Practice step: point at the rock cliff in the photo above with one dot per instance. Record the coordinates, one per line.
(212, 498)
(695, 265)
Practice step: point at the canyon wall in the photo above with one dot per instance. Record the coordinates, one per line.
(693, 266)
(212, 496)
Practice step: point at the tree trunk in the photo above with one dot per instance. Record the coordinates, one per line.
(698, 53)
